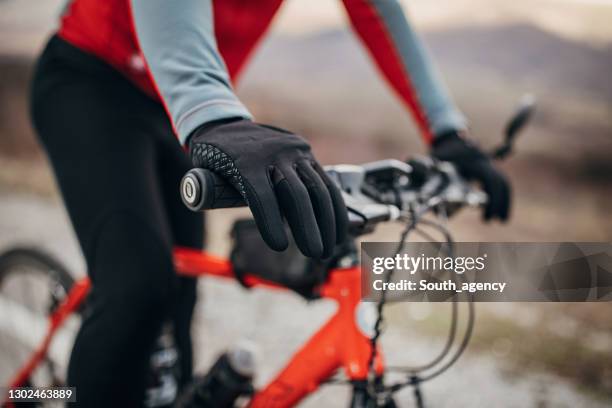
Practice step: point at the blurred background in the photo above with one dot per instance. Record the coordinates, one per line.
(312, 76)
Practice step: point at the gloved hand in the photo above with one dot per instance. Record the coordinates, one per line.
(278, 176)
(473, 164)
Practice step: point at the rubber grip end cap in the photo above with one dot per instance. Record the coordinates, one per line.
(193, 189)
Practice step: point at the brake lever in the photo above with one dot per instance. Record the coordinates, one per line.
(364, 211)
(515, 125)
(452, 190)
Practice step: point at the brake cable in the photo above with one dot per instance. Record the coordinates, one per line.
(415, 373)
(469, 324)
(383, 299)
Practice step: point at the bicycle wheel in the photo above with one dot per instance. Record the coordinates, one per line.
(32, 285)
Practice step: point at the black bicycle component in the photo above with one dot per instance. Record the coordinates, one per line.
(415, 382)
(204, 190)
(522, 116)
(364, 211)
(229, 378)
(164, 375)
(363, 398)
(384, 178)
(290, 268)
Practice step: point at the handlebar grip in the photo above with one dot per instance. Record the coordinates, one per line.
(204, 190)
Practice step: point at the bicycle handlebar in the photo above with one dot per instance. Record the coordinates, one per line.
(379, 191)
(373, 193)
(204, 190)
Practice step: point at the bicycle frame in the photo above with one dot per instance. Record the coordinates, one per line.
(337, 344)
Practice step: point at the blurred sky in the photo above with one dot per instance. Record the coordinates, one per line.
(25, 23)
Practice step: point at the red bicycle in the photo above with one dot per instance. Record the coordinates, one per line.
(375, 193)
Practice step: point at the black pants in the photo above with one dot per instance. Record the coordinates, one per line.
(118, 166)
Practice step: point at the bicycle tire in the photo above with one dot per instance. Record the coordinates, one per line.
(46, 273)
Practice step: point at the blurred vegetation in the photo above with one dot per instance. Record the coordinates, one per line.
(573, 341)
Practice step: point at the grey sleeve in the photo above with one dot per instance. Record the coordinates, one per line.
(179, 46)
(386, 18)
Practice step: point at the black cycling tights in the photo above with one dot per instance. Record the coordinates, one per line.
(118, 165)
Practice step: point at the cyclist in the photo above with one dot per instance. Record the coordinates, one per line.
(115, 85)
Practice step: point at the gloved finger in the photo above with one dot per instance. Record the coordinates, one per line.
(506, 202)
(494, 193)
(321, 204)
(295, 204)
(498, 189)
(262, 201)
(340, 211)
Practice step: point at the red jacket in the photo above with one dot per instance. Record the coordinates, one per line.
(114, 31)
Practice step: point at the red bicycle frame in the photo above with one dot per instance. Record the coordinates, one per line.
(337, 344)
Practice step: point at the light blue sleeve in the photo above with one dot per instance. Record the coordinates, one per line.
(178, 42)
(442, 113)
(387, 18)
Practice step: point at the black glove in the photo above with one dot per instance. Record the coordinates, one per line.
(473, 164)
(278, 176)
